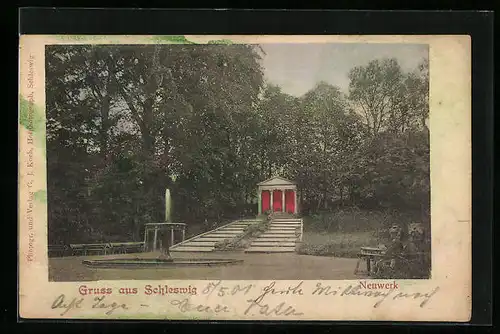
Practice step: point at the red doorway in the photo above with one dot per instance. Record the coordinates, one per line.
(277, 198)
(290, 201)
(266, 200)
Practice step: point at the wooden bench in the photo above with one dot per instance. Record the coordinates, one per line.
(369, 254)
(58, 250)
(379, 255)
(88, 249)
(126, 247)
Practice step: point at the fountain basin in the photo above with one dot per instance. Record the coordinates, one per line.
(138, 263)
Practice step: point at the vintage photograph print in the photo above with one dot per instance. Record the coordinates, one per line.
(245, 177)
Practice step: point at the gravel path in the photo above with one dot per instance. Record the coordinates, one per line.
(255, 267)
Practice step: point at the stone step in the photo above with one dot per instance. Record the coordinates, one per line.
(282, 237)
(223, 238)
(209, 239)
(270, 250)
(278, 235)
(284, 224)
(280, 231)
(286, 221)
(199, 243)
(272, 244)
(289, 227)
(275, 232)
(183, 248)
(284, 228)
(275, 239)
(224, 234)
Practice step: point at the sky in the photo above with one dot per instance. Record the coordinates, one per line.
(297, 68)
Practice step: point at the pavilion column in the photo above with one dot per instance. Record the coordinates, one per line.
(259, 196)
(183, 233)
(271, 197)
(283, 200)
(296, 202)
(171, 236)
(145, 238)
(155, 238)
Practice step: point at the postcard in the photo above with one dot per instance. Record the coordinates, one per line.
(245, 177)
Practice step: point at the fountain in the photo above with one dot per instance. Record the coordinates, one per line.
(157, 237)
(161, 240)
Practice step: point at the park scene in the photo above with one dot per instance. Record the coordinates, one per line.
(233, 161)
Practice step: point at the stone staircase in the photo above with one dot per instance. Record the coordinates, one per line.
(281, 237)
(205, 242)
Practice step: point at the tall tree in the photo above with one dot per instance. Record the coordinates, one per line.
(388, 98)
(374, 90)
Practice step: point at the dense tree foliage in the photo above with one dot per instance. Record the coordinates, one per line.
(125, 122)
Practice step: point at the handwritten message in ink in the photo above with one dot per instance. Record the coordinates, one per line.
(275, 299)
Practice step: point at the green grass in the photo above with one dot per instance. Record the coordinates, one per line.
(337, 244)
(342, 233)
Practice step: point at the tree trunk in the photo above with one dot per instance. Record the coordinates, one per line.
(325, 201)
(319, 204)
(147, 120)
(342, 195)
(352, 195)
(104, 146)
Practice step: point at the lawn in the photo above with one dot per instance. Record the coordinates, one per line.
(342, 233)
(339, 244)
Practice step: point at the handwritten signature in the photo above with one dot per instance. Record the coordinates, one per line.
(185, 305)
(68, 304)
(61, 303)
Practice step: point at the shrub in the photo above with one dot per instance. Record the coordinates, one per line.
(407, 266)
(226, 245)
(355, 220)
(254, 230)
(242, 241)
